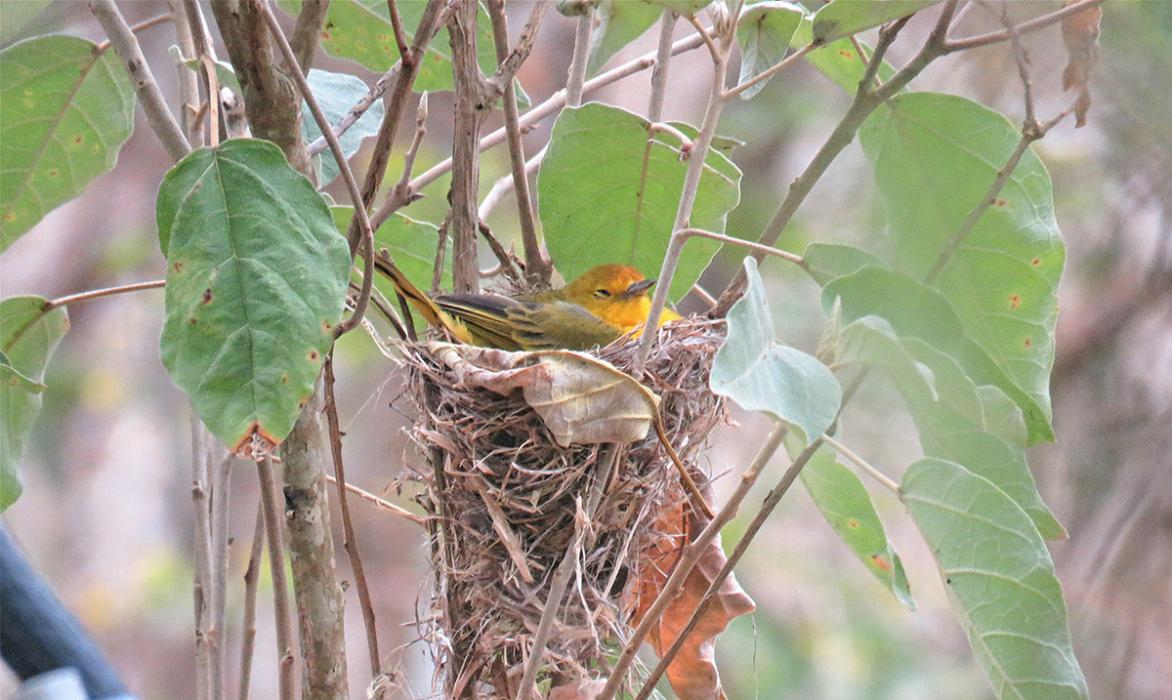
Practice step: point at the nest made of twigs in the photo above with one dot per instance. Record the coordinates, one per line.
(509, 498)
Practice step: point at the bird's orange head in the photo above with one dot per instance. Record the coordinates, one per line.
(618, 294)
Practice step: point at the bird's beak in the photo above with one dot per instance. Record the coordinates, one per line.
(638, 288)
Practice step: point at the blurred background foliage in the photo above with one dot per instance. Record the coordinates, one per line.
(107, 513)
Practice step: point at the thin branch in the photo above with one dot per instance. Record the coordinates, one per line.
(220, 479)
(659, 73)
(251, 578)
(576, 78)
(770, 72)
(871, 470)
(200, 492)
(713, 50)
(137, 27)
(401, 194)
(350, 541)
(381, 503)
(397, 28)
(355, 113)
(187, 79)
(468, 113)
(507, 265)
(504, 185)
(306, 33)
(954, 45)
(689, 555)
(271, 499)
(323, 123)
(874, 64)
(159, 116)
(561, 577)
(105, 292)
(511, 62)
(537, 269)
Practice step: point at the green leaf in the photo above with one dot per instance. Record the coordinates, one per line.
(764, 34)
(760, 374)
(256, 278)
(916, 310)
(616, 24)
(979, 428)
(336, 93)
(842, 499)
(841, 19)
(935, 157)
(28, 337)
(225, 73)
(838, 60)
(65, 111)
(361, 31)
(826, 261)
(1000, 580)
(588, 200)
(683, 7)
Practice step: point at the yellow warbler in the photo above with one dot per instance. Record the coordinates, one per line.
(597, 307)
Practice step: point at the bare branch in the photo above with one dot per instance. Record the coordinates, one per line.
(954, 45)
(577, 74)
(662, 64)
(511, 62)
(270, 499)
(203, 556)
(855, 459)
(251, 577)
(159, 116)
(355, 113)
(469, 111)
(105, 292)
(504, 185)
(219, 472)
(381, 503)
(187, 79)
(306, 32)
(397, 27)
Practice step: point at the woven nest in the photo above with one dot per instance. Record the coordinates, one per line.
(510, 500)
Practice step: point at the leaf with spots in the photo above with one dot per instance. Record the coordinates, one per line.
(838, 60)
(256, 278)
(29, 333)
(65, 111)
(843, 500)
(1000, 580)
(589, 189)
(761, 374)
(935, 157)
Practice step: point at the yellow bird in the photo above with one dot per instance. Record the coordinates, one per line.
(599, 306)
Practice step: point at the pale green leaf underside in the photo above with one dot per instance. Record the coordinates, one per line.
(336, 93)
(764, 35)
(838, 60)
(588, 195)
(256, 277)
(65, 112)
(760, 374)
(841, 19)
(842, 499)
(935, 157)
(1000, 580)
(28, 337)
(616, 24)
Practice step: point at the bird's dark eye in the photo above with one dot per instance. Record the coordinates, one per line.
(601, 293)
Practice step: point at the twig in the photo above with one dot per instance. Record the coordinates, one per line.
(159, 116)
(350, 541)
(323, 123)
(204, 51)
(305, 35)
(689, 555)
(105, 292)
(507, 265)
(429, 23)
(355, 113)
(537, 269)
(504, 185)
(576, 78)
(251, 577)
(561, 576)
(381, 503)
(188, 80)
(854, 458)
(401, 194)
(220, 492)
(270, 498)
(954, 45)
(203, 557)
(137, 27)
(511, 62)
(468, 113)
(397, 28)
(659, 72)
(713, 50)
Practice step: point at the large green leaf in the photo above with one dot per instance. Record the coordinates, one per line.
(845, 17)
(65, 111)
(256, 279)
(588, 195)
(935, 157)
(760, 374)
(976, 427)
(1000, 580)
(361, 31)
(616, 24)
(826, 261)
(842, 499)
(764, 35)
(336, 93)
(916, 310)
(838, 60)
(28, 337)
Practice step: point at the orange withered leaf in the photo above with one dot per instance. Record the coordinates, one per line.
(1080, 33)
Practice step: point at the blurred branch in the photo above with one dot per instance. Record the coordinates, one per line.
(187, 79)
(104, 292)
(251, 577)
(203, 554)
(954, 45)
(306, 31)
(355, 113)
(659, 72)
(271, 508)
(219, 479)
(855, 459)
(381, 503)
(576, 78)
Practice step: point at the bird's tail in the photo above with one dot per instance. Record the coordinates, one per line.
(421, 301)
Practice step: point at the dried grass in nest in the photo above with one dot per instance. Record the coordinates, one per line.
(510, 496)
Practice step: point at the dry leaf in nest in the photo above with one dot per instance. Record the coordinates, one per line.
(692, 672)
(578, 690)
(1080, 33)
(581, 399)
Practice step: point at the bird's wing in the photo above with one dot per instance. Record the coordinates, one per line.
(486, 316)
(505, 323)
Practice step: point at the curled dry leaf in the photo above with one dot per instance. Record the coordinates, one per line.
(1080, 33)
(692, 673)
(578, 690)
(580, 398)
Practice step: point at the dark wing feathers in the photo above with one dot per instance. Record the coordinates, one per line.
(505, 323)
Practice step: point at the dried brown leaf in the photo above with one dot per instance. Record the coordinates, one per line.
(692, 673)
(1080, 33)
(580, 398)
(578, 690)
